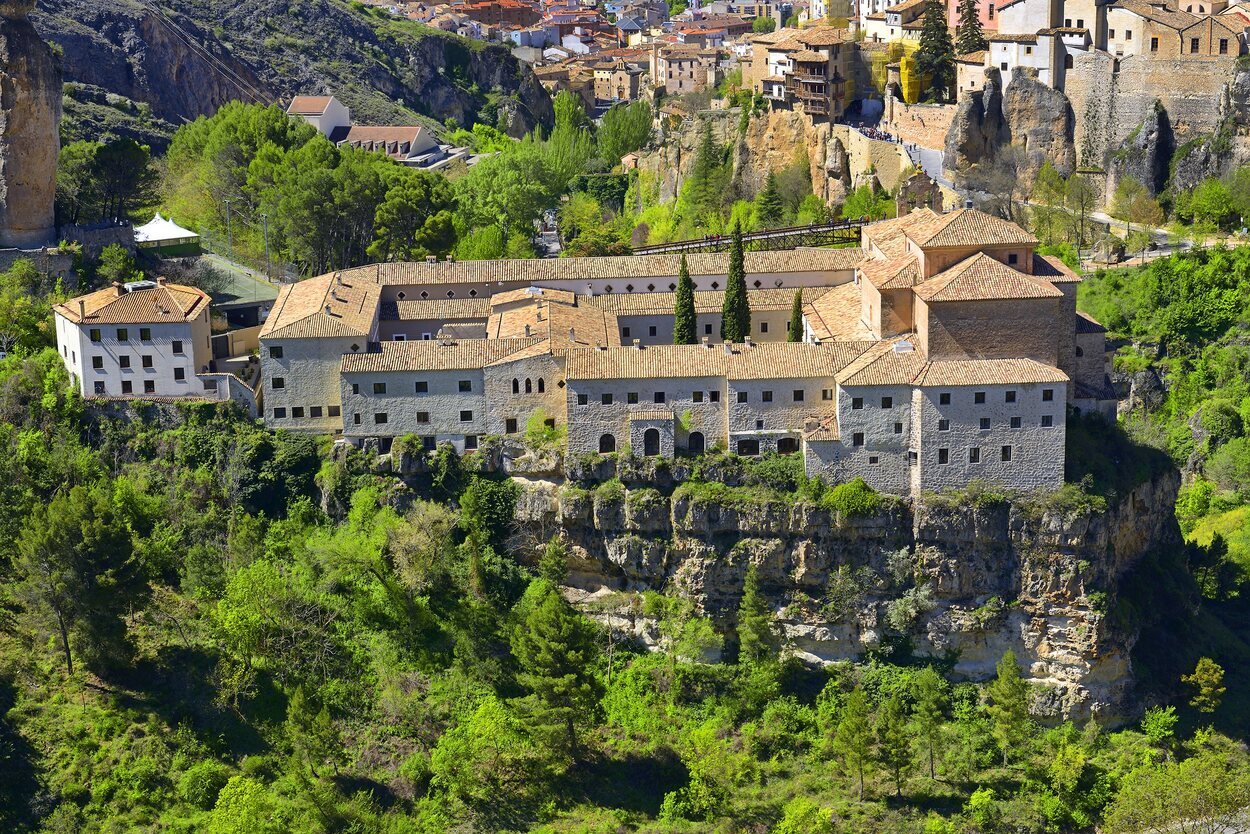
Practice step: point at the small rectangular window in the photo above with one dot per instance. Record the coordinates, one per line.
(149, 386)
(763, 327)
(874, 459)
(297, 411)
(356, 419)
(127, 386)
(1015, 422)
(1223, 46)
(857, 403)
(898, 428)
(1111, 33)
(606, 399)
(631, 397)
(826, 394)
(985, 424)
(275, 351)
(974, 454)
(145, 334)
(660, 396)
(379, 418)
(944, 425)
(277, 383)
(177, 347)
(421, 387)
(465, 386)
(713, 396)
(798, 395)
(887, 402)
(1154, 44)
(651, 331)
(423, 416)
(697, 396)
(1193, 45)
(1048, 395)
(944, 456)
(146, 361)
(583, 399)
(1128, 34)
(123, 362)
(95, 334)
(180, 374)
(466, 416)
(334, 411)
(314, 411)
(97, 362)
(766, 396)
(1047, 421)
(979, 397)
(509, 425)
(857, 439)
(742, 396)
(279, 414)
(379, 387)
(624, 332)
(470, 442)
(355, 388)
(707, 330)
(944, 398)
(1006, 453)
(123, 335)
(1009, 396)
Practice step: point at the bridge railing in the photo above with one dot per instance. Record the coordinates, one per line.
(792, 235)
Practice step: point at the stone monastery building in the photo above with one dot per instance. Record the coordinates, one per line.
(942, 350)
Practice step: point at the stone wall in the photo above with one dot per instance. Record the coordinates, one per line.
(99, 235)
(49, 261)
(921, 124)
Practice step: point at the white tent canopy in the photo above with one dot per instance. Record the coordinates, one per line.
(162, 232)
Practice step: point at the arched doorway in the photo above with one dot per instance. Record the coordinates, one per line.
(787, 445)
(696, 443)
(651, 442)
(607, 444)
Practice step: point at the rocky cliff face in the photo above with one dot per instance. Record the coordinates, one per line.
(30, 111)
(954, 580)
(1028, 114)
(188, 62)
(1144, 155)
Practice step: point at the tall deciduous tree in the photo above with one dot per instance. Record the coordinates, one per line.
(936, 56)
(1008, 706)
(970, 35)
(852, 741)
(625, 128)
(685, 322)
(735, 323)
(757, 640)
(795, 333)
(930, 704)
(556, 648)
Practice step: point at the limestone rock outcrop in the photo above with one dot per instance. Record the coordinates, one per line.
(1145, 153)
(30, 112)
(965, 580)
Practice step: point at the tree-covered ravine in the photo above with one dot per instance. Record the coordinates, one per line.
(209, 626)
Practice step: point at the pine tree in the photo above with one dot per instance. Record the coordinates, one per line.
(1008, 706)
(313, 736)
(1207, 681)
(852, 741)
(735, 323)
(894, 740)
(757, 642)
(970, 36)
(555, 648)
(704, 191)
(769, 207)
(685, 323)
(930, 695)
(796, 318)
(935, 59)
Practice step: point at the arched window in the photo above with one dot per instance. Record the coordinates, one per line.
(1079, 352)
(607, 444)
(516, 386)
(1067, 62)
(696, 443)
(651, 442)
(542, 387)
(529, 387)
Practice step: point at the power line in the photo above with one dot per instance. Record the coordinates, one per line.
(214, 62)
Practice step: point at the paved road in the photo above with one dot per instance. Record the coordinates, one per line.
(931, 161)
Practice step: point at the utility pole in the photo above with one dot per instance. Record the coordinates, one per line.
(264, 219)
(229, 231)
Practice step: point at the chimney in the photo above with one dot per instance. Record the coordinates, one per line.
(967, 204)
(118, 288)
(162, 281)
(572, 335)
(431, 259)
(729, 348)
(637, 344)
(451, 259)
(82, 310)
(706, 343)
(746, 340)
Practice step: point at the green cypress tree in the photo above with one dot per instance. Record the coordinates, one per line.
(852, 741)
(769, 207)
(735, 324)
(970, 36)
(796, 317)
(894, 740)
(685, 323)
(757, 642)
(1008, 705)
(704, 191)
(936, 56)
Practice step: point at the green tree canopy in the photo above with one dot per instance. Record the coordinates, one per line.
(735, 323)
(935, 59)
(685, 322)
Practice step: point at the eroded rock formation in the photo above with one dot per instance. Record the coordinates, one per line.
(30, 111)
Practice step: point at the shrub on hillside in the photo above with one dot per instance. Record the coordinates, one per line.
(854, 498)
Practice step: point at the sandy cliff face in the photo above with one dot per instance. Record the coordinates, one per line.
(30, 111)
(957, 581)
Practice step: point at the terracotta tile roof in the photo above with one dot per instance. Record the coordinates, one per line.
(432, 355)
(1172, 18)
(436, 308)
(370, 137)
(957, 372)
(981, 277)
(155, 304)
(705, 301)
(826, 35)
(996, 37)
(1063, 30)
(309, 105)
(891, 362)
(337, 304)
(1054, 270)
(657, 361)
(531, 294)
(977, 57)
(625, 268)
(810, 56)
(969, 227)
(836, 315)
(826, 429)
(907, 4)
(792, 360)
(888, 235)
(553, 321)
(1085, 323)
(891, 273)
